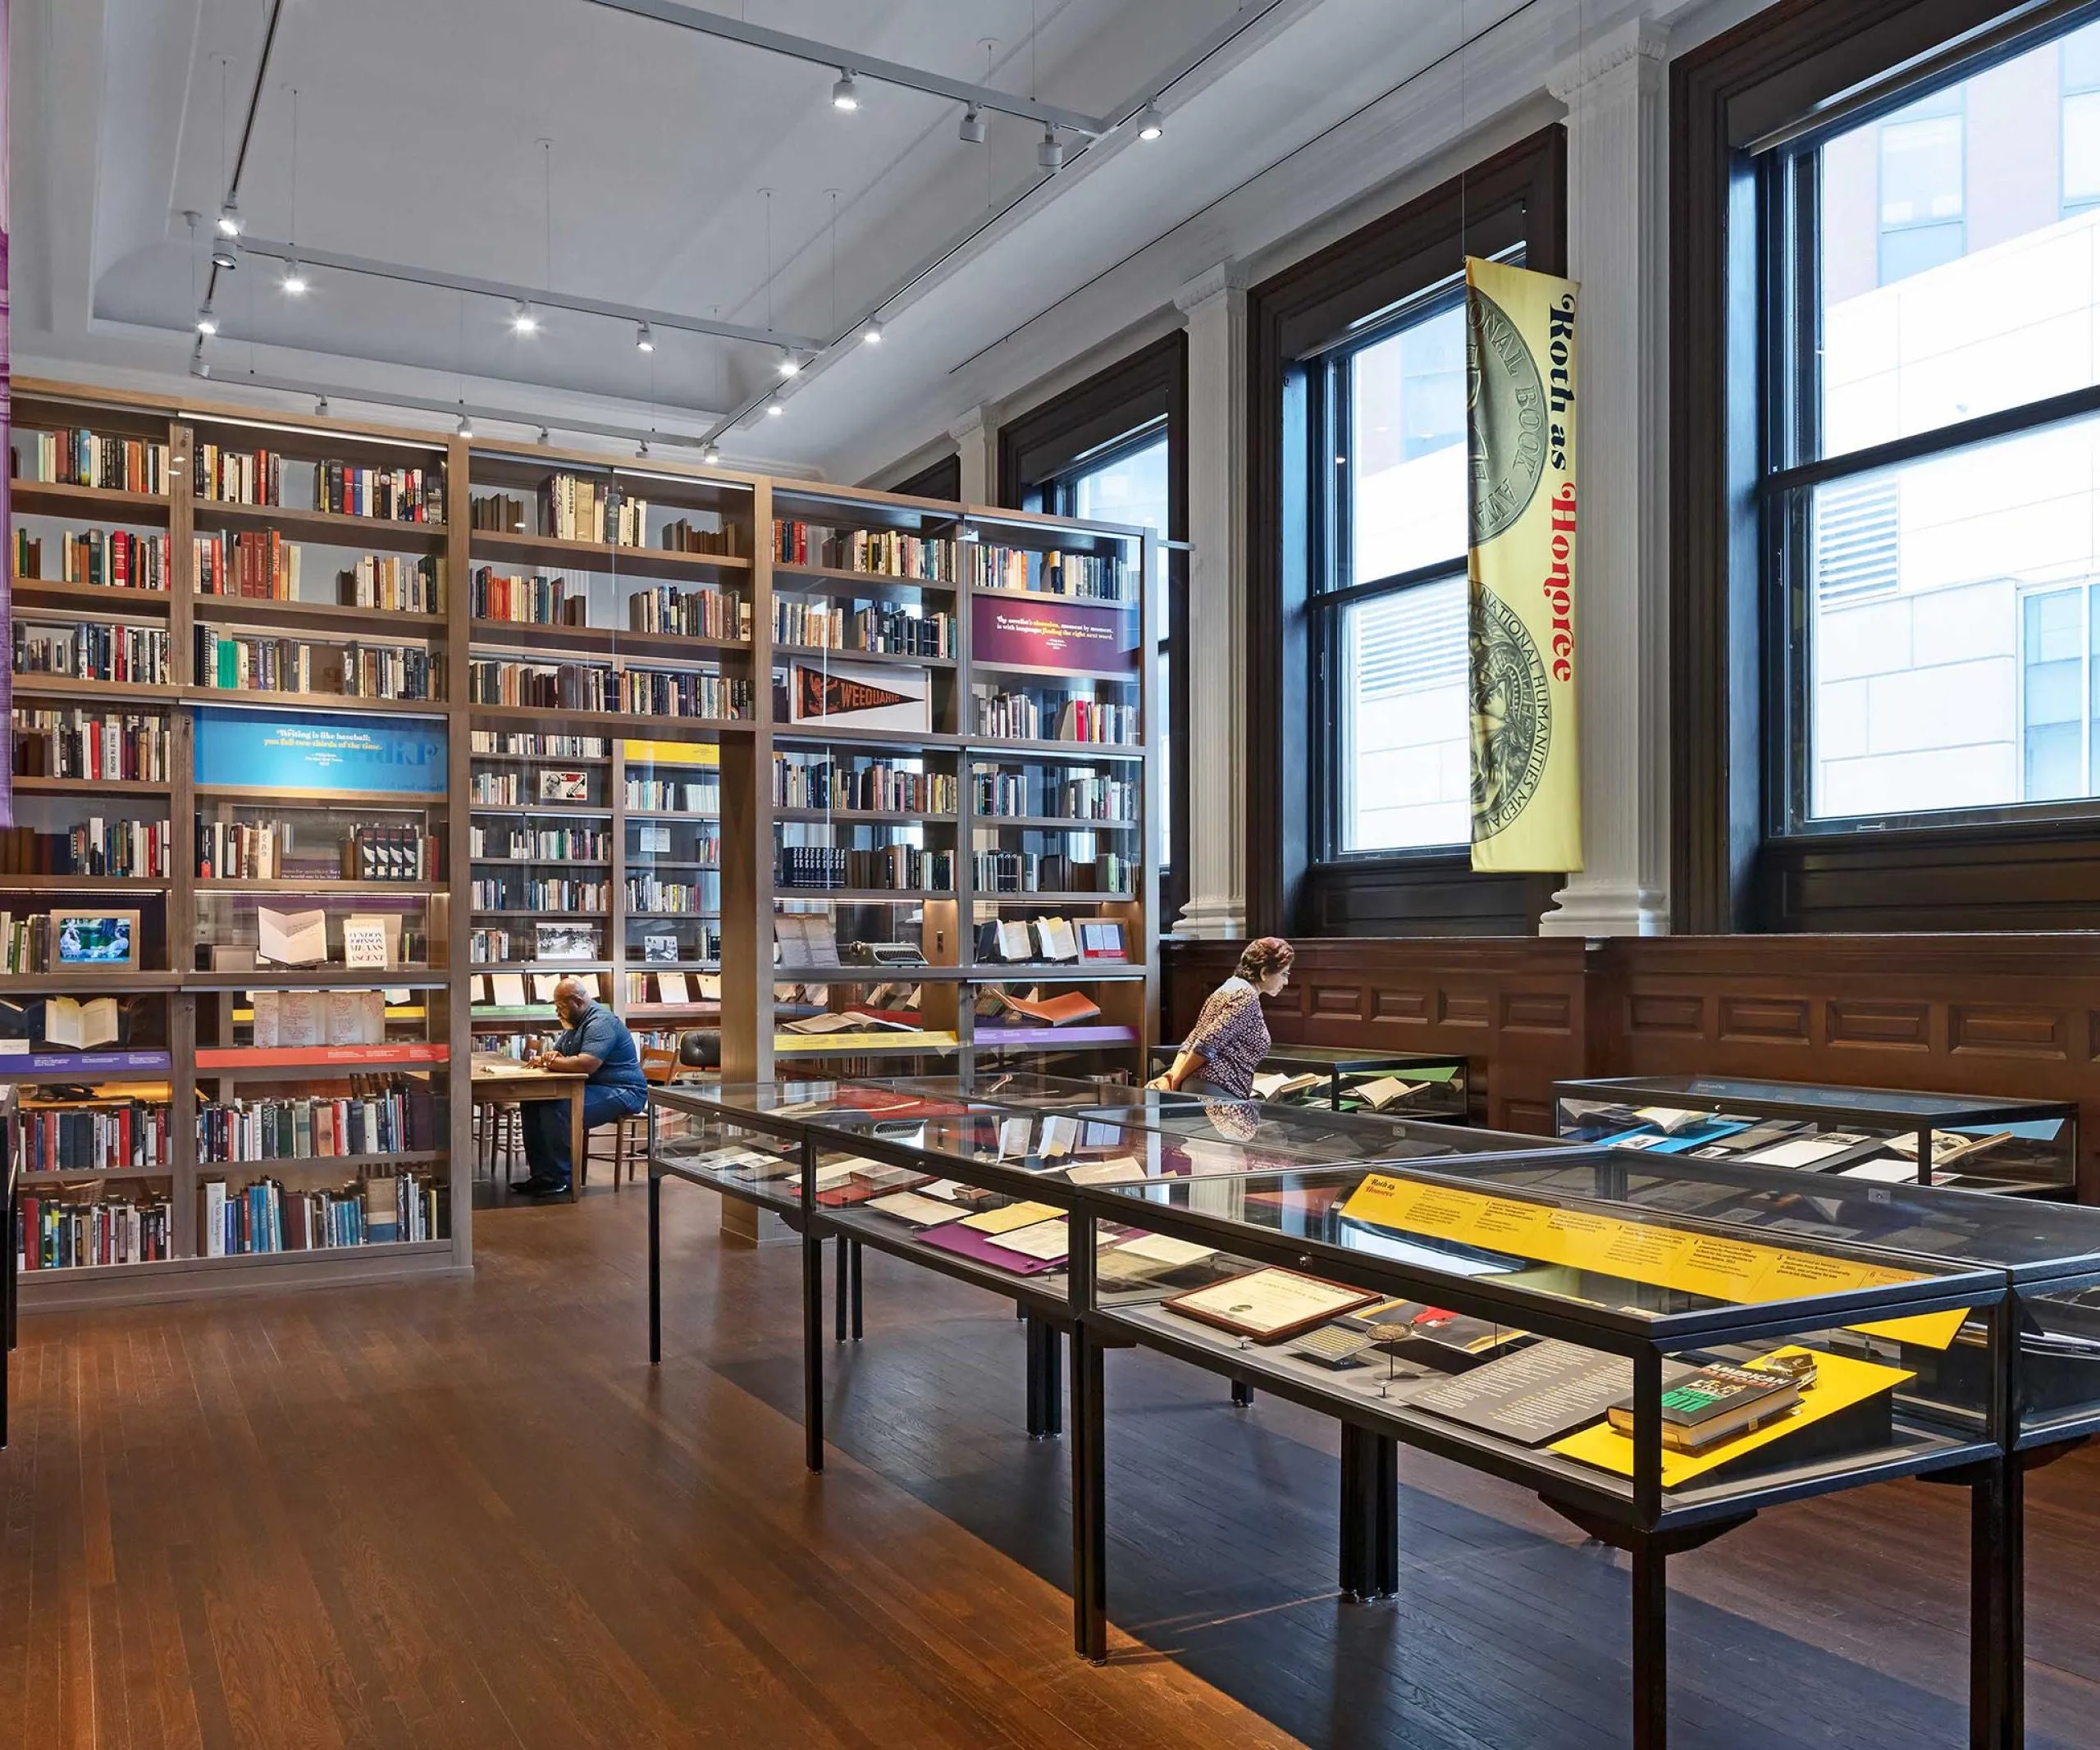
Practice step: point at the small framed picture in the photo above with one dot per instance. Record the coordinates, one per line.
(97, 937)
(559, 786)
(660, 950)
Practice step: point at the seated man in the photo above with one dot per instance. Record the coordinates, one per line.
(597, 1044)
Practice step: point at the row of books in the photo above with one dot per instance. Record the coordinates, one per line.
(69, 1231)
(702, 613)
(105, 747)
(246, 662)
(381, 1115)
(238, 477)
(675, 795)
(508, 744)
(243, 851)
(669, 987)
(575, 508)
(400, 583)
(542, 896)
(726, 541)
(590, 687)
(1015, 939)
(1034, 793)
(528, 601)
(906, 868)
(816, 780)
(1022, 716)
(1092, 575)
(96, 847)
(392, 853)
(389, 495)
(877, 552)
(111, 558)
(266, 1216)
(100, 1135)
(75, 457)
(1031, 872)
(648, 895)
(256, 565)
(878, 631)
(545, 844)
(92, 650)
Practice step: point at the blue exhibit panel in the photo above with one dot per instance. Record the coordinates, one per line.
(320, 753)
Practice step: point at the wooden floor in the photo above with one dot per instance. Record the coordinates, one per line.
(470, 1514)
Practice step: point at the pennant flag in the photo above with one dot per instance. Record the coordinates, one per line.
(1521, 656)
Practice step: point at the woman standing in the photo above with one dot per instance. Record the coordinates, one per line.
(1229, 1038)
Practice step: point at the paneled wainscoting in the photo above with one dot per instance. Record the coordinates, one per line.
(2015, 1015)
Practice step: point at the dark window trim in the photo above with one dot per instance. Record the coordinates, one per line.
(1518, 196)
(940, 478)
(1089, 420)
(1736, 861)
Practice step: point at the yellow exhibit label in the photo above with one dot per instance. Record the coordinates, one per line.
(1720, 1267)
(1840, 1382)
(671, 753)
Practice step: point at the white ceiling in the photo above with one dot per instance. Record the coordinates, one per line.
(417, 125)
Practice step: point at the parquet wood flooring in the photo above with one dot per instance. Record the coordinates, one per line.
(469, 1514)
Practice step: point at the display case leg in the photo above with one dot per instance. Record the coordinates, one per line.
(1997, 1577)
(1242, 1394)
(1089, 1499)
(845, 1273)
(1053, 1382)
(1385, 1517)
(1032, 1336)
(856, 1290)
(1651, 1694)
(812, 1348)
(655, 1270)
(1350, 1529)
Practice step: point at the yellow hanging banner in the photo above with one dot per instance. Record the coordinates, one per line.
(1520, 454)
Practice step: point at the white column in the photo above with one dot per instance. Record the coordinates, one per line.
(1215, 307)
(977, 442)
(1618, 241)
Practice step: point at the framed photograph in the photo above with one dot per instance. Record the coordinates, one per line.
(1268, 1305)
(660, 950)
(98, 937)
(566, 942)
(559, 786)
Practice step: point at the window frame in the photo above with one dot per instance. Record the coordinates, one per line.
(1515, 198)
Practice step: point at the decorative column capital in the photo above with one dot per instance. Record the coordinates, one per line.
(1641, 40)
(1226, 276)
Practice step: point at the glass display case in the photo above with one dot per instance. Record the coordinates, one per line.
(1883, 1135)
(1411, 1084)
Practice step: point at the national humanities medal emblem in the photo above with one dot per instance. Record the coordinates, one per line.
(1513, 715)
(1508, 425)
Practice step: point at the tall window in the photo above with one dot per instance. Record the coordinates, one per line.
(1129, 483)
(1934, 511)
(1391, 613)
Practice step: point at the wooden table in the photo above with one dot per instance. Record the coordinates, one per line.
(503, 1081)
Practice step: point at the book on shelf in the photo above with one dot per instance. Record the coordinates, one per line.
(397, 584)
(818, 780)
(875, 552)
(266, 1216)
(392, 853)
(1093, 799)
(389, 1114)
(100, 747)
(81, 1025)
(255, 565)
(539, 844)
(1063, 1010)
(238, 477)
(726, 542)
(385, 495)
(1055, 938)
(93, 649)
(505, 744)
(79, 457)
(1109, 873)
(1023, 717)
(528, 601)
(108, 559)
(694, 796)
(805, 938)
(612, 687)
(1101, 939)
(67, 1231)
(1094, 577)
(497, 513)
(291, 939)
(104, 1131)
(541, 894)
(704, 612)
(650, 896)
(900, 868)
(881, 632)
(96, 847)
(238, 662)
(848, 1021)
(24, 942)
(575, 509)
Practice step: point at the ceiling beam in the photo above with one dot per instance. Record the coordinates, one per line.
(508, 292)
(863, 65)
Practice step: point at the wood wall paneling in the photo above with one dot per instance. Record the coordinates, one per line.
(2017, 1016)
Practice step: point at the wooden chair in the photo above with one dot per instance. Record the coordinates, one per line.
(660, 1063)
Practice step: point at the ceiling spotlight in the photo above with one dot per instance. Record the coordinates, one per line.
(545, 435)
(207, 323)
(873, 332)
(230, 219)
(642, 450)
(465, 428)
(1050, 153)
(294, 281)
(970, 131)
(845, 94)
(321, 408)
(224, 258)
(645, 338)
(712, 455)
(790, 365)
(522, 320)
(1150, 127)
(775, 407)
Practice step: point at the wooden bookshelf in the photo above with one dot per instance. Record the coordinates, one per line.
(716, 858)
